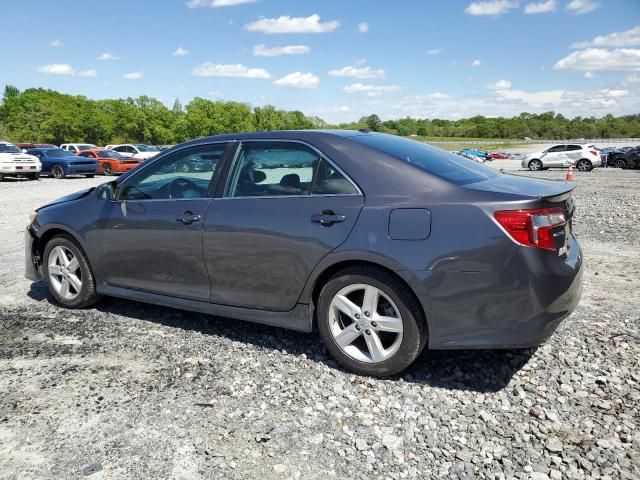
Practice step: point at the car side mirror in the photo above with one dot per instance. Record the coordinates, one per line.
(107, 191)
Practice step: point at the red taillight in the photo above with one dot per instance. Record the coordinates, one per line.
(593, 152)
(533, 228)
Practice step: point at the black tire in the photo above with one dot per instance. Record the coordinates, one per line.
(58, 172)
(91, 175)
(107, 169)
(1, 177)
(620, 163)
(33, 176)
(414, 337)
(87, 295)
(535, 165)
(584, 165)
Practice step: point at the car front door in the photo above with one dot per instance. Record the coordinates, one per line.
(554, 156)
(285, 206)
(150, 237)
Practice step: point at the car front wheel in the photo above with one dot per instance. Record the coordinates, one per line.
(620, 163)
(535, 165)
(369, 322)
(68, 274)
(58, 171)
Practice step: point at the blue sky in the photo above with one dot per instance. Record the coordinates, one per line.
(336, 59)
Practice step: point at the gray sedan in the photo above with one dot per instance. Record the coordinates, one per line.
(385, 244)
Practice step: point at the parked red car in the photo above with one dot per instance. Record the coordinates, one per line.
(27, 146)
(111, 162)
(499, 156)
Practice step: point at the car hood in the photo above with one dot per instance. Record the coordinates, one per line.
(524, 186)
(10, 157)
(70, 197)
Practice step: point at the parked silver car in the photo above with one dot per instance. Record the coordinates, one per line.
(582, 157)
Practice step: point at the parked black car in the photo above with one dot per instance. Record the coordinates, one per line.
(386, 244)
(627, 158)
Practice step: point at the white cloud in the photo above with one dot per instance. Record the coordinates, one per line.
(371, 90)
(180, 52)
(434, 51)
(363, 27)
(209, 69)
(298, 80)
(358, 72)
(133, 76)
(582, 6)
(632, 79)
(615, 93)
(216, 3)
(541, 7)
(500, 85)
(596, 59)
(88, 73)
(287, 24)
(628, 38)
(438, 95)
(263, 51)
(588, 75)
(57, 69)
(476, 63)
(493, 7)
(56, 43)
(108, 56)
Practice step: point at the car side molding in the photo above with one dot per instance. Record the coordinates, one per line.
(299, 318)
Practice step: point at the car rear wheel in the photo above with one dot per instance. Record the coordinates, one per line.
(369, 322)
(108, 169)
(535, 165)
(58, 171)
(620, 163)
(584, 165)
(68, 274)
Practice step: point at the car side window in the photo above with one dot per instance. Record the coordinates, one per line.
(184, 174)
(572, 148)
(556, 149)
(272, 169)
(329, 181)
(86, 154)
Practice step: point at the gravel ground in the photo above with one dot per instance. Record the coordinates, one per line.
(137, 391)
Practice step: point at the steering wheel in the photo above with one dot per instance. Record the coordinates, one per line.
(180, 185)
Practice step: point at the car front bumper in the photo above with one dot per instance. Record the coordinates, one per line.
(519, 306)
(31, 267)
(81, 169)
(21, 169)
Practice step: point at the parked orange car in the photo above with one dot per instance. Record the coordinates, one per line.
(111, 162)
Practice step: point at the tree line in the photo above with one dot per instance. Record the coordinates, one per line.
(47, 116)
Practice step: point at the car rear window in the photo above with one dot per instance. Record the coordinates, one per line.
(448, 166)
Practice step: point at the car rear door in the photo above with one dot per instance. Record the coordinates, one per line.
(555, 156)
(285, 207)
(150, 237)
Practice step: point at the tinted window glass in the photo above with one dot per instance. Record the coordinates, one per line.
(448, 166)
(185, 174)
(557, 148)
(58, 152)
(8, 148)
(274, 169)
(573, 147)
(329, 181)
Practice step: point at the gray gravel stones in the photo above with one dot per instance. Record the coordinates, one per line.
(149, 392)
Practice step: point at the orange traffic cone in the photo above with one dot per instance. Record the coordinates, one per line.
(570, 172)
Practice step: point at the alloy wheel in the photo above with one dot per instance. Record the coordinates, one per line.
(57, 171)
(65, 275)
(621, 163)
(365, 323)
(108, 169)
(535, 165)
(583, 166)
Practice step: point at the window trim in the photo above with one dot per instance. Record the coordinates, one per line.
(211, 189)
(221, 193)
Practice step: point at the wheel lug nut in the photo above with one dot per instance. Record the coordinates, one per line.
(374, 324)
(368, 332)
(358, 327)
(366, 314)
(358, 316)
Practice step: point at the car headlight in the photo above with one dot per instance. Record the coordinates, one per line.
(32, 217)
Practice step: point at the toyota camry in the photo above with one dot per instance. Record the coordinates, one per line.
(385, 245)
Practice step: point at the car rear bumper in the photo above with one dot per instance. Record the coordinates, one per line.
(517, 307)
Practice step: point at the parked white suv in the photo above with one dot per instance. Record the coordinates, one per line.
(14, 163)
(582, 157)
(77, 147)
(135, 150)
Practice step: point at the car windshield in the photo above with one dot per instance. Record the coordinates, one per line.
(443, 164)
(146, 148)
(58, 152)
(85, 147)
(8, 148)
(109, 154)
